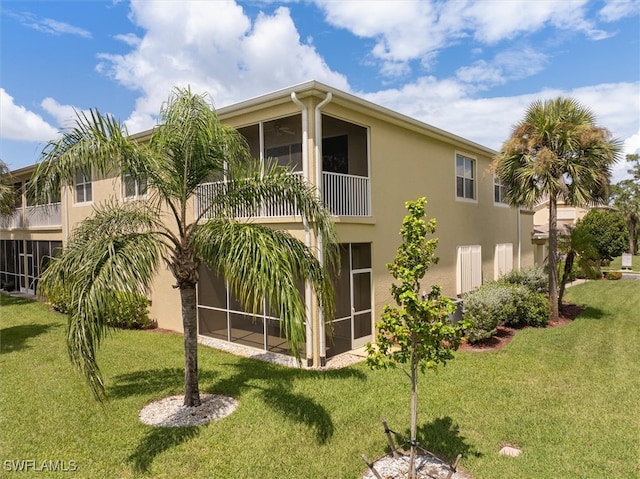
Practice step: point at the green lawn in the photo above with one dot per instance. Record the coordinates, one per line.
(568, 396)
(616, 264)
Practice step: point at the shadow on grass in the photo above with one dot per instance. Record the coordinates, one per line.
(591, 313)
(275, 386)
(13, 300)
(15, 338)
(153, 381)
(158, 440)
(440, 437)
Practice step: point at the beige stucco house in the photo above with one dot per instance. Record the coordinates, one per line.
(366, 161)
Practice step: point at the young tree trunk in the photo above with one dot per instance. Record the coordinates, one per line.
(553, 258)
(189, 324)
(632, 237)
(414, 420)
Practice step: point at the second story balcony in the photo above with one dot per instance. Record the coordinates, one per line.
(344, 195)
(38, 216)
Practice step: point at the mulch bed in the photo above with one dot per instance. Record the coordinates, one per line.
(568, 313)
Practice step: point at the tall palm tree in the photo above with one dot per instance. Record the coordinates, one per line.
(120, 247)
(557, 152)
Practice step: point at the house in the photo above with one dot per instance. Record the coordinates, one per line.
(567, 216)
(366, 161)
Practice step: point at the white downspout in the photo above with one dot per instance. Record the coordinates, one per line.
(307, 233)
(318, 157)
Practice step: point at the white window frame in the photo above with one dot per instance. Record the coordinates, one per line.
(503, 259)
(474, 178)
(87, 185)
(468, 268)
(136, 186)
(502, 190)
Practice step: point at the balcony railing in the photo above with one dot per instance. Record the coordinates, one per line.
(345, 195)
(34, 217)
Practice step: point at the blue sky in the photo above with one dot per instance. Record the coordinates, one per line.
(467, 67)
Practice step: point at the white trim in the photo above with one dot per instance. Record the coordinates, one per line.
(474, 160)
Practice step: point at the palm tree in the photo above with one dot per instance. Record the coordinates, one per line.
(557, 152)
(7, 195)
(121, 246)
(578, 244)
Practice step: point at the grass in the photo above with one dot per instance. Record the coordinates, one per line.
(568, 396)
(616, 264)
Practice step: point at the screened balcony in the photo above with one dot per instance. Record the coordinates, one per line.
(345, 184)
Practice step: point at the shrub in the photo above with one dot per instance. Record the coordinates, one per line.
(531, 309)
(131, 312)
(59, 299)
(614, 275)
(534, 278)
(485, 308)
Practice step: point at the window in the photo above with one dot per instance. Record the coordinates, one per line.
(503, 260)
(465, 177)
(134, 188)
(499, 191)
(83, 187)
(468, 268)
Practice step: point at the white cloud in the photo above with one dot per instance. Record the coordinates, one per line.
(213, 47)
(65, 115)
(508, 65)
(18, 123)
(49, 25)
(616, 9)
(448, 105)
(413, 29)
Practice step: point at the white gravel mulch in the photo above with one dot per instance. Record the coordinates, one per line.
(171, 412)
(427, 467)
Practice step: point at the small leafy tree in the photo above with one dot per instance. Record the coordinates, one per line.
(417, 335)
(579, 246)
(609, 232)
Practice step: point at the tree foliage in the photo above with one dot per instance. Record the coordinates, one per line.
(608, 231)
(7, 195)
(556, 152)
(121, 246)
(579, 248)
(626, 198)
(417, 334)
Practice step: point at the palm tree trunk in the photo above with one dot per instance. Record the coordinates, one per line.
(553, 251)
(189, 324)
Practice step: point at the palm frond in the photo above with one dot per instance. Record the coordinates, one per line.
(117, 250)
(260, 262)
(97, 144)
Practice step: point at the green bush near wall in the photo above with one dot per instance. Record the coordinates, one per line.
(517, 299)
(131, 311)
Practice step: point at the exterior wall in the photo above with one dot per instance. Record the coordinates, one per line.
(406, 165)
(405, 161)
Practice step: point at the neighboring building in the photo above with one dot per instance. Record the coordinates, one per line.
(367, 161)
(568, 215)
